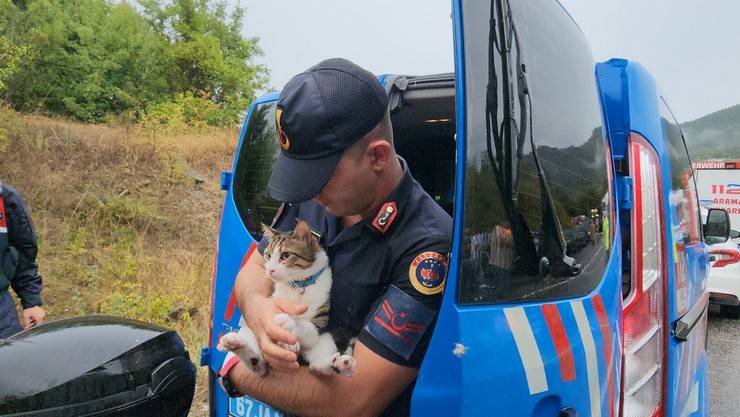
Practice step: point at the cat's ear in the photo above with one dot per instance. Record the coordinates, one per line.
(303, 232)
(268, 231)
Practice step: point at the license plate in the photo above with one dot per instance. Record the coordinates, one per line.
(249, 407)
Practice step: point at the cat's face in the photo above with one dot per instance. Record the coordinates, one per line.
(293, 256)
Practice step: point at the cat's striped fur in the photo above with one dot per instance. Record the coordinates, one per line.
(300, 270)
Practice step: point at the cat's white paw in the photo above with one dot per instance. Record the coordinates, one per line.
(343, 364)
(228, 342)
(231, 342)
(325, 369)
(285, 321)
(295, 347)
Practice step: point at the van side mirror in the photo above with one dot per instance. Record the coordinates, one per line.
(717, 228)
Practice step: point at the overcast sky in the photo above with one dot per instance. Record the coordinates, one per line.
(691, 47)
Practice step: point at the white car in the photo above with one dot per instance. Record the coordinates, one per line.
(724, 277)
(723, 282)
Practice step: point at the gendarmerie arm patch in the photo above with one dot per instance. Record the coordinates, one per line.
(428, 272)
(399, 322)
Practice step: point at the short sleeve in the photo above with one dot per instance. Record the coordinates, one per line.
(400, 322)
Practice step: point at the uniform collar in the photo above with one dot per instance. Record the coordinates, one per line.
(386, 215)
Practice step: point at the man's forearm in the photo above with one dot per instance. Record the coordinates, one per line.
(27, 285)
(252, 281)
(300, 392)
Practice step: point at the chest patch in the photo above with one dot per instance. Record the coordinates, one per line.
(428, 272)
(399, 322)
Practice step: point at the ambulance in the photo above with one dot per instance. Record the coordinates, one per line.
(529, 145)
(718, 185)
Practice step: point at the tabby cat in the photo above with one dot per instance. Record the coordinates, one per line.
(300, 271)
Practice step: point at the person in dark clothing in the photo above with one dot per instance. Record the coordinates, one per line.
(18, 269)
(386, 238)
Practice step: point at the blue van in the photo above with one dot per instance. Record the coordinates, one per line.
(577, 281)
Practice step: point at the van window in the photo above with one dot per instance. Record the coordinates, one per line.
(538, 213)
(427, 147)
(259, 150)
(683, 197)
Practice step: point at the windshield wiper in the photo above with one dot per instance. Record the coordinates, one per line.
(552, 258)
(504, 168)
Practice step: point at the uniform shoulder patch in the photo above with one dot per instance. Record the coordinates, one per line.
(385, 217)
(399, 322)
(428, 272)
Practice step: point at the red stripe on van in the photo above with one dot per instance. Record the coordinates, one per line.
(232, 299)
(249, 253)
(560, 340)
(606, 336)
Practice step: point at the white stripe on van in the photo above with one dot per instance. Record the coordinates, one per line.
(534, 369)
(3, 230)
(592, 366)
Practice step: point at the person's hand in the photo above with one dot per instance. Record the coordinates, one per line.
(33, 316)
(261, 319)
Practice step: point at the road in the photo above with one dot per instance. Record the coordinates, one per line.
(724, 365)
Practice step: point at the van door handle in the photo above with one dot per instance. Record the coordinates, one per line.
(568, 412)
(688, 321)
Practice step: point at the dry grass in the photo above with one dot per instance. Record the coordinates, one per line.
(124, 222)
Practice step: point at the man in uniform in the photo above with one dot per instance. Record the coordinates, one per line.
(18, 267)
(387, 241)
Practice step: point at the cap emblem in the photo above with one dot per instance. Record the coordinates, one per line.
(282, 137)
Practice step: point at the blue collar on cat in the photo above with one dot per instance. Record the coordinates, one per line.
(308, 281)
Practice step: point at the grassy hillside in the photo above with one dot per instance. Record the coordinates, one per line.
(126, 220)
(714, 136)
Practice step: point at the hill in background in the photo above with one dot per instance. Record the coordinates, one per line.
(714, 136)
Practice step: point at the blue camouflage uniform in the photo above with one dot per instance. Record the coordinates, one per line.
(18, 269)
(389, 272)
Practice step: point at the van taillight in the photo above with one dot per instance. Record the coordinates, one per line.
(644, 307)
(724, 257)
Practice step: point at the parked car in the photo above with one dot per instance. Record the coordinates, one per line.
(578, 237)
(724, 275)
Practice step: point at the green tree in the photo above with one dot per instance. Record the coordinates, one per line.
(90, 59)
(212, 58)
(10, 57)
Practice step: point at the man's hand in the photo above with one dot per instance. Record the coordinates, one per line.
(261, 319)
(252, 289)
(33, 316)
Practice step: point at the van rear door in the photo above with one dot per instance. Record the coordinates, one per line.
(246, 205)
(531, 318)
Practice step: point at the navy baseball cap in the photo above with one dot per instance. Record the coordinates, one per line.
(320, 113)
